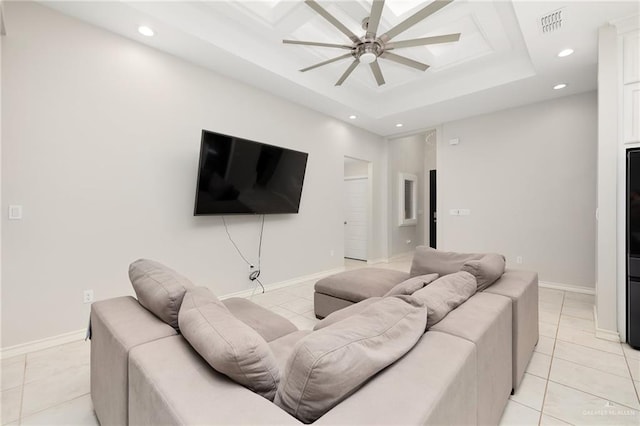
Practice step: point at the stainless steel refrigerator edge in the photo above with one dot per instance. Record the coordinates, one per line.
(633, 248)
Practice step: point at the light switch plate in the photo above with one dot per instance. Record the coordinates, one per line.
(15, 212)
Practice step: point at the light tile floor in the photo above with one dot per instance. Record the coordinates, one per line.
(573, 377)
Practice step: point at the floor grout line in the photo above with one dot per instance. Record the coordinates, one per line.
(633, 382)
(593, 394)
(589, 347)
(56, 405)
(24, 378)
(553, 351)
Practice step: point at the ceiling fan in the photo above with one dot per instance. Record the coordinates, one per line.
(368, 48)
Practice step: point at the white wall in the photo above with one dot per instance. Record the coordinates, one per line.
(528, 175)
(406, 155)
(100, 145)
(355, 168)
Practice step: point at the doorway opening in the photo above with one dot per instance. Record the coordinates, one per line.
(430, 188)
(357, 209)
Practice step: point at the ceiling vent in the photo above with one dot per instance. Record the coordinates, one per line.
(551, 22)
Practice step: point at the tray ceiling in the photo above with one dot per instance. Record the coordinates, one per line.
(502, 58)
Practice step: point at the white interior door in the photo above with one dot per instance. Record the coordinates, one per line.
(356, 217)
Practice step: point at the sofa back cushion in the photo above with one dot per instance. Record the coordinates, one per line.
(159, 289)
(487, 269)
(230, 346)
(410, 286)
(330, 364)
(445, 294)
(427, 260)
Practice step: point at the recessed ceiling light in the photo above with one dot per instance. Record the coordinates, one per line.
(352, 117)
(565, 52)
(145, 31)
(399, 125)
(559, 86)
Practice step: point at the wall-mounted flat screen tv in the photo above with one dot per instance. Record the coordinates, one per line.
(239, 176)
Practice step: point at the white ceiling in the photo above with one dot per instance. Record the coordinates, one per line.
(502, 59)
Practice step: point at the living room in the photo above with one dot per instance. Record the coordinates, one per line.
(101, 129)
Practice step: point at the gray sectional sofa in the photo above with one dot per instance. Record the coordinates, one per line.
(144, 372)
(521, 287)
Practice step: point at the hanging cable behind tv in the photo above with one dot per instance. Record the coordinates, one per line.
(254, 273)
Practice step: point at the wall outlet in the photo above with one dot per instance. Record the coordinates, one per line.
(15, 212)
(87, 296)
(464, 212)
(454, 212)
(332, 253)
(519, 260)
(408, 241)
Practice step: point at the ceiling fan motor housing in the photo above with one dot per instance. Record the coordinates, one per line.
(368, 51)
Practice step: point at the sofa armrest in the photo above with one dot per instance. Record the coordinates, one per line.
(118, 325)
(522, 288)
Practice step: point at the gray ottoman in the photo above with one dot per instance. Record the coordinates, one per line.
(346, 288)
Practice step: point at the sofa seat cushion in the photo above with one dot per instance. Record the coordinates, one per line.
(267, 323)
(410, 286)
(485, 320)
(172, 385)
(360, 284)
(330, 364)
(427, 260)
(282, 347)
(227, 344)
(445, 294)
(487, 269)
(433, 384)
(159, 289)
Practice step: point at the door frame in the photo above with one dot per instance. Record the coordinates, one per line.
(366, 256)
(369, 177)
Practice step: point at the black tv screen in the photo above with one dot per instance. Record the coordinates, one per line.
(239, 176)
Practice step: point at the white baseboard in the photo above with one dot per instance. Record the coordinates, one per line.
(45, 343)
(377, 261)
(601, 333)
(408, 254)
(73, 336)
(567, 287)
(282, 284)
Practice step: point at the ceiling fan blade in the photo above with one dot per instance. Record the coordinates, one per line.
(423, 13)
(423, 41)
(326, 62)
(374, 18)
(377, 72)
(348, 72)
(332, 19)
(404, 61)
(313, 43)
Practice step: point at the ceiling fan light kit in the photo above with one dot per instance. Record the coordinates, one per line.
(370, 47)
